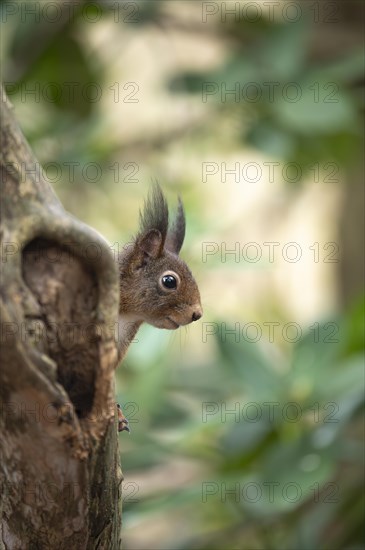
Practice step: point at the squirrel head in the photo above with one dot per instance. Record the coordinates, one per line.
(156, 286)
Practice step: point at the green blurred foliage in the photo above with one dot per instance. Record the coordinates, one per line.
(300, 110)
(291, 453)
(281, 451)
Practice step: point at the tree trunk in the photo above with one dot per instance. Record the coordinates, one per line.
(59, 464)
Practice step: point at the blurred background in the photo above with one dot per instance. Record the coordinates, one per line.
(247, 427)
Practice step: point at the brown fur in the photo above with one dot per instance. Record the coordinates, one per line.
(143, 297)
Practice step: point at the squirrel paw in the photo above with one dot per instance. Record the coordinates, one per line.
(122, 421)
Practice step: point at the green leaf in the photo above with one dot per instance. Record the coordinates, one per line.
(315, 106)
(252, 371)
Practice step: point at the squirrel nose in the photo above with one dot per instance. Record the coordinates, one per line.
(197, 314)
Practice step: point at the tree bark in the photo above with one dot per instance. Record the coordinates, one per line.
(59, 463)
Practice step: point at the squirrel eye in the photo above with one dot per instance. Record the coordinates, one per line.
(169, 281)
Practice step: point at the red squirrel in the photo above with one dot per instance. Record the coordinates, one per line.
(156, 286)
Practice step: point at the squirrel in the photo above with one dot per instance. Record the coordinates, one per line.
(156, 286)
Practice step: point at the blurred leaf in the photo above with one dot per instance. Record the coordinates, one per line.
(354, 328)
(345, 69)
(251, 370)
(281, 54)
(316, 106)
(271, 139)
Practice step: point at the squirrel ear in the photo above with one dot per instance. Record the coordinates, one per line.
(151, 243)
(176, 234)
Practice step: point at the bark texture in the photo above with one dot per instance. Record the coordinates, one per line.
(59, 463)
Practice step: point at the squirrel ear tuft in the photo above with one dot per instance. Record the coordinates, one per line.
(176, 234)
(151, 243)
(155, 214)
